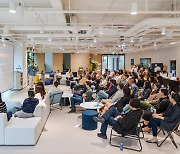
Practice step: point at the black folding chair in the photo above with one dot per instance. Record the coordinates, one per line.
(133, 136)
(169, 135)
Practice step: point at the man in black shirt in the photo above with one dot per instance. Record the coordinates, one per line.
(122, 123)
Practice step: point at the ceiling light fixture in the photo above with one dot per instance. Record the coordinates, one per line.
(4, 44)
(2, 39)
(95, 39)
(141, 39)
(163, 31)
(132, 40)
(119, 45)
(12, 6)
(100, 30)
(50, 38)
(6, 30)
(154, 44)
(20, 10)
(133, 8)
(41, 29)
(21, 44)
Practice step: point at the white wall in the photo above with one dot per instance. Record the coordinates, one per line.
(163, 55)
(20, 61)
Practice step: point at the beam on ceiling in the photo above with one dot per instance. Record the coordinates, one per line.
(55, 10)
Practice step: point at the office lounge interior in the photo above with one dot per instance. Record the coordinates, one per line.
(80, 76)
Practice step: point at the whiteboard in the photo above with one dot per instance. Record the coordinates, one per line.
(6, 67)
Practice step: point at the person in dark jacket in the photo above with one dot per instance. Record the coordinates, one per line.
(147, 91)
(28, 107)
(3, 109)
(168, 120)
(122, 123)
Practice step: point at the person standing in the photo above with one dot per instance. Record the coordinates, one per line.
(32, 70)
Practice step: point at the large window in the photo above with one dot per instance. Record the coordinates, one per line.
(145, 62)
(112, 62)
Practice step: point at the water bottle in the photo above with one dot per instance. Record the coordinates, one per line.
(121, 147)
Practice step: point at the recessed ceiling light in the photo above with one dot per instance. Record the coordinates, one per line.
(133, 8)
(163, 31)
(132, 40)
(95, 39)
(41, 29)
(12, 6)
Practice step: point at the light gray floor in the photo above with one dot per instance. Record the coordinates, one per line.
(62, 136)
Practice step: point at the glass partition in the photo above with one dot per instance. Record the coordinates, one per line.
(113, 62)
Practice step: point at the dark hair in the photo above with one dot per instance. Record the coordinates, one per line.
(134, 102)
(98, 81)
(0, 97)
(164, 91)
(176, 97)
(31, 93)
(121, 85)
(89, 77)
(158, 85)
(147, 85)
(104, 75)
(56, 84)
(113, 81)
(126, 91)
(88, 83)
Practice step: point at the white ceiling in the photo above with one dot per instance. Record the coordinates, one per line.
(113, 16)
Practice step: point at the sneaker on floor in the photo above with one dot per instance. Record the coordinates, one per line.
(72, 111)
(100, 135)
(99, 119)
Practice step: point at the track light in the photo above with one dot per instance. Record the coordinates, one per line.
(100, 30)
(20, 10)
(133, 8)
(132, 40)
(12, 6)
(50, 38)
(41, 29)
(95, 39)
(163, 31)
(119, 45)
(140, 39)
(2, 39)
(6, 30)
(4, 44)
(154, 44)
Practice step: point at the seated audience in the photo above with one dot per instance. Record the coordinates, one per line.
(39, 89)
(79, 99)
(117, 95)
(120, 123)
(133, 87)
(107, 94)
(28, 106)
(168, 120)
(3, 108)
(146, 92)
(54, 88)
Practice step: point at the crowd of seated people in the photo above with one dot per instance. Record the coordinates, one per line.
(124, 93)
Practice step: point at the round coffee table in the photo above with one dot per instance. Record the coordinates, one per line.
(91, 105)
